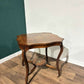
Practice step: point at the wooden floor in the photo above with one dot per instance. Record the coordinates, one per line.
(12, 72)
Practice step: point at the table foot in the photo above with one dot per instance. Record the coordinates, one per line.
(23, 64)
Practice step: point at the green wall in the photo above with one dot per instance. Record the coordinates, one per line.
(12, 23)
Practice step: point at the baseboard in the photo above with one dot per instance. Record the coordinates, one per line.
(73, 61)
(19, 52)
(10, 56)
(76, 62)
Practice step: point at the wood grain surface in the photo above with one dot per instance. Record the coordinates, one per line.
(34, 39)
(12, 72)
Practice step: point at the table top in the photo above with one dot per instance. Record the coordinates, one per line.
(38, 39)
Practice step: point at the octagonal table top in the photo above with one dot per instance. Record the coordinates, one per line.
(38, 39)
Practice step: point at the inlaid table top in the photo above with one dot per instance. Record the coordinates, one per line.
(32, 39)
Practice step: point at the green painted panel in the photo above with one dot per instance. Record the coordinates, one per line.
(12, 23)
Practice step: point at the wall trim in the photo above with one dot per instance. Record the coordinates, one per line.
(76, 62)
(10, 56)
(73, 61)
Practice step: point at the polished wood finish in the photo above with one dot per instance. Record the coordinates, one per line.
(57, 60)
(26, 65)
(12, 72)
(38, 40)
(46, 50)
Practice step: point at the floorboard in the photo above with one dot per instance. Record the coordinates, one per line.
(12, 72)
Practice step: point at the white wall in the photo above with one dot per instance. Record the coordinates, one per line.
(62, 17)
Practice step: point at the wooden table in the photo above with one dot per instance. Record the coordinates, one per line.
(39, 40)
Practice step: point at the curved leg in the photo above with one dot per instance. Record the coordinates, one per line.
(46, 55)
(22, 57)
(27, 66)
(57, 61)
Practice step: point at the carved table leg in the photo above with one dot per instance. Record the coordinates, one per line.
(57, 61)
(27, 66)
(46, 55)
(22, 57)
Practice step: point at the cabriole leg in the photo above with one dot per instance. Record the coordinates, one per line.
(57, 61)
(27, 66)
(46, 51)
(23, 58)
